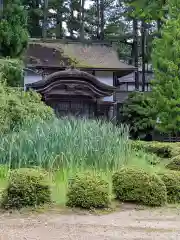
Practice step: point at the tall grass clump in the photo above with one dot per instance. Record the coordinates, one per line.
(64, 143)
(67, 147)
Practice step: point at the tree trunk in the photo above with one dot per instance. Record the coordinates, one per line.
(71, 20)
(33, 20)
(98, 20)
(143, 35)
(102, 19)
(135, 51)
(59, 28)
(1, 8)
(45, 16)
(82, 20)
(159, 25)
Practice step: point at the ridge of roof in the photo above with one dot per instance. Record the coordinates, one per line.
(69, 41)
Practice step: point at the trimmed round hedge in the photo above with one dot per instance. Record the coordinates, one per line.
(88, 191)
(172, 181)
(174, 163)
(136, 185)
(26, 187)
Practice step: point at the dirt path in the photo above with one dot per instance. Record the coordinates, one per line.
(130, 224)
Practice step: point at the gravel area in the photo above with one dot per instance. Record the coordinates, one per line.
(130, 224)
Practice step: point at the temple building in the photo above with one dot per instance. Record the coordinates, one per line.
(76, 79)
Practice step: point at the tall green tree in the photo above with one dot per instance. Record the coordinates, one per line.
(73, 17)
(82, 15)
(166, 64)
(13, 29)
(98, 17)
(119, 30)
(102, 20)
(149, 9)
(34, 16)
(139, 114)
(59, 8)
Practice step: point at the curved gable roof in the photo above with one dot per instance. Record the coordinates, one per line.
(75, 80)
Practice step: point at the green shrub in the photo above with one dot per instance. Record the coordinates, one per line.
(12, 72)
(88, 191)
(160, 149)
(17, 107)
(174, 163)
(13, 29)
(163, 150)
(172, 181)
(149, 158)
(136, 185)
(138, 114)
(26, 187)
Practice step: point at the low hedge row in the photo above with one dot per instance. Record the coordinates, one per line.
(174, 163)
(170, 151)
(30, 187)
(171, 180)
(163, 150)
(134, 185)
(129, 185)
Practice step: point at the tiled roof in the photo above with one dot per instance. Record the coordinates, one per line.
(56, 53)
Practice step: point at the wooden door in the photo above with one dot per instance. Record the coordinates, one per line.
(73, 107)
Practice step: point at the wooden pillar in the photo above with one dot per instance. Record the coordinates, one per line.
(96, 108)
(111, 113)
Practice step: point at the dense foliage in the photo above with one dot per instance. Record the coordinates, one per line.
(26, 187)
(174, 163)
(166, 87)
(149, 10)
(88, 191)
(99, 20)
(13, 31)
(163, 150)
(11, 71)
(138, 113)
(172, 181)
(17, 107)
(136, 185)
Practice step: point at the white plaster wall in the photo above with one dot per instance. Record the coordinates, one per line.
(107, 78)
(131, 87)
(128, 78)
(108, 99)
(31, 78)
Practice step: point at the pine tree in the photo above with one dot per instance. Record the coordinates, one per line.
(166, 63)
(13, 31)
